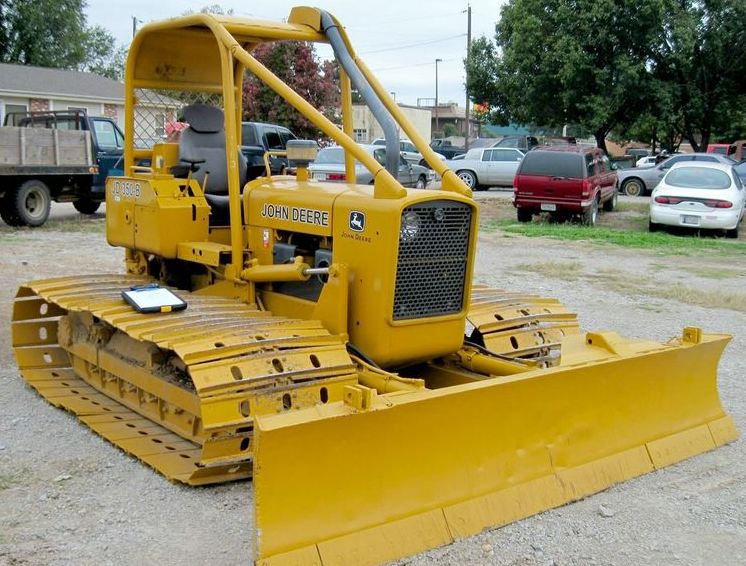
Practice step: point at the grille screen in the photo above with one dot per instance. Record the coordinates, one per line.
(433, 254)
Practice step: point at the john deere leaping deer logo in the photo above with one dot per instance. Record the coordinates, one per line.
(357, 221)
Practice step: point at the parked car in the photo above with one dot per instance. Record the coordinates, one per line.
(637, 153)
(482, 142)
(408, 151)
(446, 148)
(258, 138)
(565, 181)
(330, 166)
(721, 148)
(639, 182)
(482, 168)
(700, 195)
(524, 143)
(648, 161)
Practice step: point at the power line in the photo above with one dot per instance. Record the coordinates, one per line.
(412, 65)
(430, 42)
(399, 20)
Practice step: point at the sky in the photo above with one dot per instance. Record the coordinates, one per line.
(398, 40)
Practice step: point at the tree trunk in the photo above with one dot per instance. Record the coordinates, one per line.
(600, 136)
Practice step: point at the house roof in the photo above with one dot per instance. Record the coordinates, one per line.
(26, 80)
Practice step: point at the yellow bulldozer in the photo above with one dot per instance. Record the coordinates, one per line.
(334, 347)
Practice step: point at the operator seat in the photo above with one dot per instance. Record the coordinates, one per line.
(202, 145)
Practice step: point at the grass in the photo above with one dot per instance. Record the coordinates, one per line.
(82, 224)
(626, 206)
(701, 297)
(709, 272)
(708, 298)
(9, 480)
(661, 242)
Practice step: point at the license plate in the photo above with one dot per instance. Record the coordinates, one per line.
(690, 220)
(548, 207)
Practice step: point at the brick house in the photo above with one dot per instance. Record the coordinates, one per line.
(26, 88)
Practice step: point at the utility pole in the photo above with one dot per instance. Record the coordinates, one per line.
(468, 48)
(134, 25)
(437, 125)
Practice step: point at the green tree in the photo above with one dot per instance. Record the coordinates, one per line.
(296, 63)
(54, 33)
(44, 33)
(104, 57)
(567, 62)
(702, 57)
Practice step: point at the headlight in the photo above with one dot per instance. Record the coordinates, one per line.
(410, 227)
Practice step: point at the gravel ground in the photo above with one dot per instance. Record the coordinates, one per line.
(69, 497)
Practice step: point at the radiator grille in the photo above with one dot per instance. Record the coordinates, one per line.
(431, 269)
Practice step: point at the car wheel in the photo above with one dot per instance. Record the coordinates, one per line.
(732, 233)
(633, 188)
(28, 205)
(86, 205)
(590, 214)
(652, 227)
(524, 215)
(469, 178)
(610, 204)
(421, 182)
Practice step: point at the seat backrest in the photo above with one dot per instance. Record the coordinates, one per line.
(204, 139)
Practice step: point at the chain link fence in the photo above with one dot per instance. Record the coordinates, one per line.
(158, 114)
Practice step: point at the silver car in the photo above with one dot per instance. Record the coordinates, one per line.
(642, 180)
(330, 166)
(487, 167)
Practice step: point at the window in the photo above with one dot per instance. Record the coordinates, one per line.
(106, 135)
(331, 155)
(272, 140)
(248, 135)
(737, 179)
(590, 165)
(505, 155)
(668, 163)
(605, 164)
(552, 164)
(487, 155)
(285, 136)
(360, 135)
(407, 146)
(698, 178)
(11, 108)
(509, 142)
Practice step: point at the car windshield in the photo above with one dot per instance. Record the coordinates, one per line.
(552, 164)
(698, 178)
(331, 155)
(336, 156)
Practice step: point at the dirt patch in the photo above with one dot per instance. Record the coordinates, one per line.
(69, 497)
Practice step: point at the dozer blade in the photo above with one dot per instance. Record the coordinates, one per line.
(379, 477)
